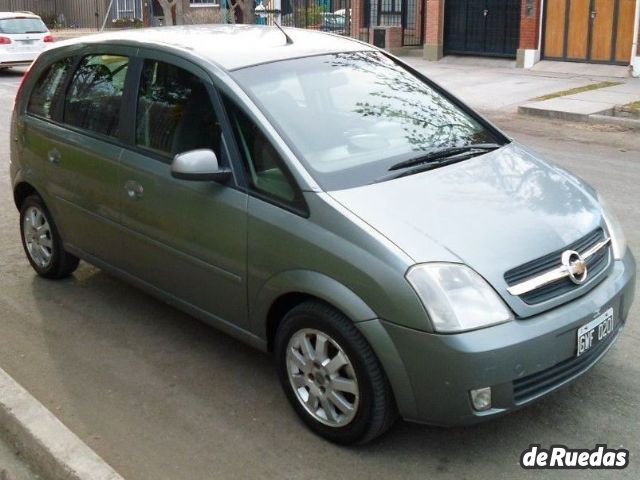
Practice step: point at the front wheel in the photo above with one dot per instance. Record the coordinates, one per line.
(41, 241)
(331, 375)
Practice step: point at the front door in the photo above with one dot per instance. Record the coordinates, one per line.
(188, 239)
(596, 31)
(482, 27)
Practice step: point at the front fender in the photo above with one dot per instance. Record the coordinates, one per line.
(311, 283)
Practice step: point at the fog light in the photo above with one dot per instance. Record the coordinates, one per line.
(481, 398)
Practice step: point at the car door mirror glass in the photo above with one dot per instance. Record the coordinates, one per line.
(199, 165)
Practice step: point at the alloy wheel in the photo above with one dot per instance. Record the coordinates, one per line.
(322, 377)
(38, 237)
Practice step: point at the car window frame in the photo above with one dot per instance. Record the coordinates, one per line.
(57, 104)
(96, 50)
(298, 205)
(130, 110)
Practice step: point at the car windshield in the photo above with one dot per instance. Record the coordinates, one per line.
(22, 25)
(349, 117)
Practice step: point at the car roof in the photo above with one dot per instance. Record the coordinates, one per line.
(5, 15)
(230, 46)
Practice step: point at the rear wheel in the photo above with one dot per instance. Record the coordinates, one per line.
(41, 241)
(331, 375)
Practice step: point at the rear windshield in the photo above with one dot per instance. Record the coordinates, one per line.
(22, 25)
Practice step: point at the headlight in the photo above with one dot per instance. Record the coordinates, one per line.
(456, 297)
(618, 240)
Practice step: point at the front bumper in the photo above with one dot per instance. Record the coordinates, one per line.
(522, 360)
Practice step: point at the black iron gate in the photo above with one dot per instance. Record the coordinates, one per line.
(407, 14)
(482, 27)
(338, 16)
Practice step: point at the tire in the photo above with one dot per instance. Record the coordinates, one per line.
(359, 383)
(44, 248)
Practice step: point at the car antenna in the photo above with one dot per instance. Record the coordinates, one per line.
(289, 40)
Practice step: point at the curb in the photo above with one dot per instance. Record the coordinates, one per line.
(558, 114)
(611, 120)
(51, 448)
(605, 117)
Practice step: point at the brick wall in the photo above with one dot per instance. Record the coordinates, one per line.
(434, 22)
(529, 24)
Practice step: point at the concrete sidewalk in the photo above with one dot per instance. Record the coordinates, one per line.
(495, 85)
(602, 105)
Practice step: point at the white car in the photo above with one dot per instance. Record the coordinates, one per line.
(23, 35)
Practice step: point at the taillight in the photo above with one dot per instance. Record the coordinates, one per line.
(48, 38)
(5, 40)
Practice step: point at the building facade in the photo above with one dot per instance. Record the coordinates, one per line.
(592, 31)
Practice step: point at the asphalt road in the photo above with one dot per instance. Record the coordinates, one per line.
(161, 396)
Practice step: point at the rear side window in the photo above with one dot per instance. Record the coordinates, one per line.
(22, 25)
(48, 89)
(94, 98)
(175, 113)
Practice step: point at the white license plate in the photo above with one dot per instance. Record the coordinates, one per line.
(595, 331)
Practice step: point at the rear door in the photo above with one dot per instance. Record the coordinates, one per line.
(76, 143)
(188, 239)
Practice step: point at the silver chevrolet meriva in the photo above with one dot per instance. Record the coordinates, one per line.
(318, 198)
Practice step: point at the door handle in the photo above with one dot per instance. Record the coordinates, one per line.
(593, 14)
(134, 189)
(54, 156)
(485, 12)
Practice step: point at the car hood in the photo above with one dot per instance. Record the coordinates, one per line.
(493, 212)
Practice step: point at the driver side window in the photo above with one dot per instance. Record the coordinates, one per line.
(175, 113)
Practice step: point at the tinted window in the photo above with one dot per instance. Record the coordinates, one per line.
(262, 163)
(95, 95)
(350, 116)
(22, 25)
(175, 113)
(48, 90)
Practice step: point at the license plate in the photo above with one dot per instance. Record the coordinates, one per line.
(594, 332)
(27, 42)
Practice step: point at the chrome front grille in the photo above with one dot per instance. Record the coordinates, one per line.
(596, 263)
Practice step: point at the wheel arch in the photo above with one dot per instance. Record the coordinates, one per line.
(284, 291)
(21, 191)
(289, 289)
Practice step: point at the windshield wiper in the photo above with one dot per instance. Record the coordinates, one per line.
(478, 148)
(437, 159)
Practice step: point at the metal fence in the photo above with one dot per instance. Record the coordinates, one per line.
(356, 18)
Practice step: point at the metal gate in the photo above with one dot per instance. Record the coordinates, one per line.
(336, 16)
(408, 14)
(482, 27)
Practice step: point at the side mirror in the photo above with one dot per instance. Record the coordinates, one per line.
(199, 166)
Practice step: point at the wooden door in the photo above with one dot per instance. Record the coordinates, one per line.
(602, 21)
(578, 29)
(597, 31)
(624, 33)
